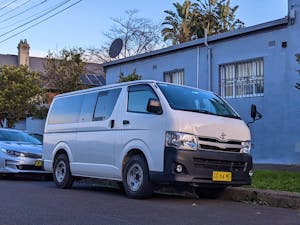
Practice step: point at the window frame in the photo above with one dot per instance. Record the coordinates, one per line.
(53, 114)
(239, 81)
(128, 92)
(97, 99)
(173, 72)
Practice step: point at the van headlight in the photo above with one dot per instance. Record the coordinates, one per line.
(246, 147)
(181, 140)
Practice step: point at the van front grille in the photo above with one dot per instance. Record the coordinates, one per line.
(218, 145)
(219, 165)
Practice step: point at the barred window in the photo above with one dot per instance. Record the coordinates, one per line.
(174, 76)
(242, 79)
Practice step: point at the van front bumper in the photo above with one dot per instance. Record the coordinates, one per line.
(198, 167)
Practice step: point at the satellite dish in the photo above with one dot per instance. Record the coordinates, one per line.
(115, 48)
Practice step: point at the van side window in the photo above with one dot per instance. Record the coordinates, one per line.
(105, 104)
(66, 110)
(138, 97)
(88, 106)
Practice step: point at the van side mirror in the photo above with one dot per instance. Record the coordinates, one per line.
(253, 111)
(154, 106)
(255, 114)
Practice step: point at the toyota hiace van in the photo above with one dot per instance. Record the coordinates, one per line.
(144, 133)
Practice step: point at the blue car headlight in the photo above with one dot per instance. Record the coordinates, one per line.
(13, 153)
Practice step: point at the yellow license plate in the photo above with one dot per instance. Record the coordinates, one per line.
(38, 163)
(222, 176)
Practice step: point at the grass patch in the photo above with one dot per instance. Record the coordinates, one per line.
(276, 180)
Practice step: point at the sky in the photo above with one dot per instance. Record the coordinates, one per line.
(83, 24)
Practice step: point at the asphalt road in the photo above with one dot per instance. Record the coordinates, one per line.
(28, 202)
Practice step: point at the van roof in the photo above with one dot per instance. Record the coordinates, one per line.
(104, 87)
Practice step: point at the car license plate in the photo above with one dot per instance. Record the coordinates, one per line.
(222, 176)
(38, 163)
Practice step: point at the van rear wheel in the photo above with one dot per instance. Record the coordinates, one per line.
(61, 172)
(136, 180)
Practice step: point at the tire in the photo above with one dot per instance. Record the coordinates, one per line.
(136, 180)
(211, 193)
(61, 172)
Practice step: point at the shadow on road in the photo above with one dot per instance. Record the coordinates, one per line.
(27, 177)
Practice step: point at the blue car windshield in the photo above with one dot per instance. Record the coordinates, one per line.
(17, 136)
(194, 100)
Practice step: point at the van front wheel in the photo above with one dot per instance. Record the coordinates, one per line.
(61, 172)
(136, 178)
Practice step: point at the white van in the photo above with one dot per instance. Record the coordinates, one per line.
(144, 133)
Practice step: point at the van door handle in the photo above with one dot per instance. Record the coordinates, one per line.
(125, 122)
(112, 123)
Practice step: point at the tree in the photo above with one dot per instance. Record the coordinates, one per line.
(180, 25)
(192, 20)
(131, 77)
(20, 91)
(63, 70)
(217, 17)
(139, 35)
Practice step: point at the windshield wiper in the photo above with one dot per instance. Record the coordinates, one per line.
(198, 111)
(210, 113)
(232, 116)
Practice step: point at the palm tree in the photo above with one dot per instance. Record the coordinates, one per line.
(190, 20)
(180, 25)
(217, 17)
(226, 17)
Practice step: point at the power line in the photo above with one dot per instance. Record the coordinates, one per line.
(24, 3)
(33, 25)
(24, 11)
(8, 4)
(32, 20)
(18, 21)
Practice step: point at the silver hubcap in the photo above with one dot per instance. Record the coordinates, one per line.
(135, 177)
(60, 171)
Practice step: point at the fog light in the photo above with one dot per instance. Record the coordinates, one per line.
(179, 168)
(251, 172)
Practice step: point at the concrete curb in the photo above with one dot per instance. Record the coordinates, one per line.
(272, 198)
(282, 199)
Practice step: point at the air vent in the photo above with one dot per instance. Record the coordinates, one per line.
(272, 43)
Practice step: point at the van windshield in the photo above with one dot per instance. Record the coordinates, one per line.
(195, 100)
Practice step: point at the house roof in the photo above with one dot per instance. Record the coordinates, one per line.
(201, 41)
(94, 76)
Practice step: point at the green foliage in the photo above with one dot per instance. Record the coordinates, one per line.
(19, 92)
(63, 70)
(180, 26)
(192, 19)
(276, 180)
(131, 77)
(39, 112)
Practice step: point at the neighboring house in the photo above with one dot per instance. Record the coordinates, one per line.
(253, 65)
(94, 77)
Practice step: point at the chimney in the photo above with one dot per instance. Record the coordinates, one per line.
(23, 53)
